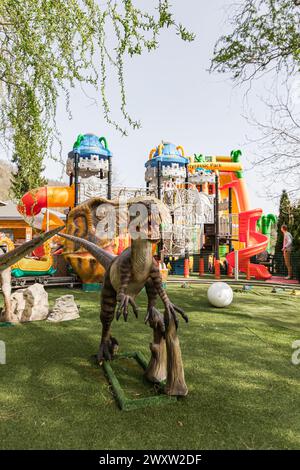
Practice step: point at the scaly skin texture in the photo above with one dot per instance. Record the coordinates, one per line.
(127, 274)
(125, 277)
(82, 222)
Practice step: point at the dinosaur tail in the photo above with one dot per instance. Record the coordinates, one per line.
(10, 258)
(101, 255)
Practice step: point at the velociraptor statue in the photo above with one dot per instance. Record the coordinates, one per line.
(125, 276)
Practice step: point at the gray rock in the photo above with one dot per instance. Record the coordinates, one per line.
(64, 309)
(17, 305)
(30, 304)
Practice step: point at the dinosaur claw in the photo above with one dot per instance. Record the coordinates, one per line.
(134, 307)
(124, 300)
(155, 319)
(181, 311)
(118, 314)
(170, 313)
(107, 350)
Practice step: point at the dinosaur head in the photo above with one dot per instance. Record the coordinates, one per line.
(11, 257)
(147, 218)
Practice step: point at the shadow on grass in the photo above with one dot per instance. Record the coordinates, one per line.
(244, 392)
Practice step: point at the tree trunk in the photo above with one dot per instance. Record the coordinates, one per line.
(157, 368)
(175, 374)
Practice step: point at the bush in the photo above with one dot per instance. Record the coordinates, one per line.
(296, 264)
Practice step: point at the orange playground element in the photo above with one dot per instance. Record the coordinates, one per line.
(255, 243)
(48, 196)
(251, 241)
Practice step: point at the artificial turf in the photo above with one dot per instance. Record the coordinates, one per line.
(244, 391)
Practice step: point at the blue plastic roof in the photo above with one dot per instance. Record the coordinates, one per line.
(90, 145)
(168, 156)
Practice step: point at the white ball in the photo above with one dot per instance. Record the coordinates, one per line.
(220, 294)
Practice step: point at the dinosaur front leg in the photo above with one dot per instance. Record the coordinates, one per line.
(6, 290)
(108, 345)
(170, 308)
(157, 367)
(124, 299)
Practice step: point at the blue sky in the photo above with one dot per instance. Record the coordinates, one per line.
(171, 92)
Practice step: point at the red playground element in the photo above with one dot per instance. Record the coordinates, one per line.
(229, 270)
(201, 266)
(186, 268)
(33, 201)
(39, 252)
(255, 243)
(217, 269)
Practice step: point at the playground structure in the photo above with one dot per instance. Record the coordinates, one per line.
(89, 161)
(206, 195)
(39, 264)
(213, 193)
(265, 225)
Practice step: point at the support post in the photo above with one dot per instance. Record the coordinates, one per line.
(76, 162)
(236, 265)
(186, 175)
(217, 227)
(159, 179)
(217, 269)
(109, 178)
(186, 265)
(230, 217)
(248, 273)
(201, 265)
(160, 244)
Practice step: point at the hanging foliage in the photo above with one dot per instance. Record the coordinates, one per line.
(264, 36)
(47, 46)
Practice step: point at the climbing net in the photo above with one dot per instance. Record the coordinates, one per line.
(190, 210)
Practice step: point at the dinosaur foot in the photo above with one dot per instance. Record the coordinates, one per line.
(155, 319)
(5, 317)
(107, 349)
(124, 301)
(171, 311)
(177, 390)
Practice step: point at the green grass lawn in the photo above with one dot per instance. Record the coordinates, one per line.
(244, 392)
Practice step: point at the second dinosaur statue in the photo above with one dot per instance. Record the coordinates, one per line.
(10, 258)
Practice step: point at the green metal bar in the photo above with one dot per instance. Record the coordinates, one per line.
(128, 404)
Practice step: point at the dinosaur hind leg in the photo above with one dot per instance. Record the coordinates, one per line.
(157, 368)
(108, 345)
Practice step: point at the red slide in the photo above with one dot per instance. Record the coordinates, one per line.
(255, 243)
